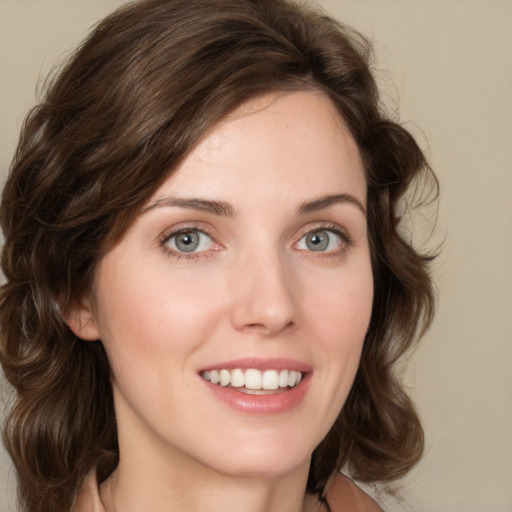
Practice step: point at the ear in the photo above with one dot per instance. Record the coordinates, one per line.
(81, 320)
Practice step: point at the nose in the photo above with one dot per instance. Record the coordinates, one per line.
(263, 298)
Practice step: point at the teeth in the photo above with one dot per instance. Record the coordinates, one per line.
(283, 378)
(225, 377)
(270, 380)
(237, 378)
(254, 379)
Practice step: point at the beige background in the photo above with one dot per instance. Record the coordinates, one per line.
(450, 65)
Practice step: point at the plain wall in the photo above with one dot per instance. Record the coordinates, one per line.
(449, 64)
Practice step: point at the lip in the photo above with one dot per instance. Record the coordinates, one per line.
(279, 363)
(267, 404)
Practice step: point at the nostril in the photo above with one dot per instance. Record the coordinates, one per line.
(268, 328)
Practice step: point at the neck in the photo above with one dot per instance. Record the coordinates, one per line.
(135, 490)
(154, 474)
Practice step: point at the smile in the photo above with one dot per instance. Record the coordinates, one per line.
(253, 381)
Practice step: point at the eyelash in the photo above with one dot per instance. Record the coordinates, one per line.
(346, 241)
(183, 230)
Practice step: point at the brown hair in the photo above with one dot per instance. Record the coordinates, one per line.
(151, 80)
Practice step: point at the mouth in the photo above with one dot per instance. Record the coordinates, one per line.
(258, 386)
(253, 381)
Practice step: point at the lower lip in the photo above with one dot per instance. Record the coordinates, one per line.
(261, 404)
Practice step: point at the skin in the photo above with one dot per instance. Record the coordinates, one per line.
(254, 288)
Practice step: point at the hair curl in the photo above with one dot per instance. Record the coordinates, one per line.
(150, 81)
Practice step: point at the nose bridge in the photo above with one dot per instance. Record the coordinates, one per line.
(263, 298)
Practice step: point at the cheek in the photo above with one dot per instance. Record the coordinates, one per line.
(338, 314)
(343, 305)
(151, 314)
(342, 314)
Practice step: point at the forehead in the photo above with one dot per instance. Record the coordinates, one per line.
(278, 144)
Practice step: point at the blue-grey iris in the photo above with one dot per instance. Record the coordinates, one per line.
(317, 240)
(187, 242)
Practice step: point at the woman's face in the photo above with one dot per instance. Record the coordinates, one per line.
(251, 265)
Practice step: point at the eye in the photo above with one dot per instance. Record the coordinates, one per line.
(321, 240)
(189, 241)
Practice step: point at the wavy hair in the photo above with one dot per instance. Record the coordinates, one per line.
(145, 87)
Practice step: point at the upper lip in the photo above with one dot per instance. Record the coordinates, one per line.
(260, 364)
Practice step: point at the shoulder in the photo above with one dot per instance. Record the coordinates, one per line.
(344, 494)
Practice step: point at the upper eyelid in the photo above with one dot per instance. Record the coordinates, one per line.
(346, 239)
(327, 226)
(210, 231)
(184, 227)
(184, 232)
(169, 234)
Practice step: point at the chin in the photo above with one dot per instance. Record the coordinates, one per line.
(264, 459)
(268, 468)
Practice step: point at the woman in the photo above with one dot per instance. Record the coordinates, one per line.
(206, 290)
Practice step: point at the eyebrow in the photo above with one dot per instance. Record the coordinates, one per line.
(326, 201)
(225, 209)
(216, 207)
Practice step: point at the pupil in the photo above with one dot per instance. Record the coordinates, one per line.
(317, 241)
(187, 242)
